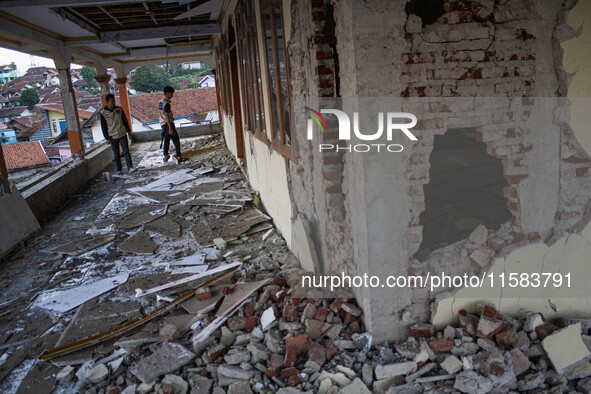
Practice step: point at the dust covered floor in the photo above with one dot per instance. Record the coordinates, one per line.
(79, 276)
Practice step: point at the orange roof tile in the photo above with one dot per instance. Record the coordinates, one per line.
(144, 107)
(22, 155)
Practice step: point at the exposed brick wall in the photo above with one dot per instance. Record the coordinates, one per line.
(482, 49)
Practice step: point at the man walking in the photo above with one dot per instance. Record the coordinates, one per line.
(167, 124)
(115, 129)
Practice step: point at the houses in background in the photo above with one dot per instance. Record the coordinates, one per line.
(8, 73)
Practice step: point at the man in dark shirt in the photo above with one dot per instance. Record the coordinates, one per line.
(115, 129)
(167, 123)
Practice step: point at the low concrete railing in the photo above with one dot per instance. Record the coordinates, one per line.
(46, 192)
(184, 132)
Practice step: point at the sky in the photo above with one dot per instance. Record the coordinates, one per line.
(23, 60)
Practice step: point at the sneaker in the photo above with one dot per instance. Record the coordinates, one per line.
(177, 159)
(132, 170)
(165, 159)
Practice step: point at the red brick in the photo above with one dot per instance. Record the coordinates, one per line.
(321, 314)
(323, 55)
(490, 311)
(488, 327)
(441, 344)
(324, 70)
(317, 3)
(325, 83)
(293, 347)
(274, 365)
(292, 315)
(508, 336)
(422, 330)
(317, 353)
(333, 189)
(354, 326)
(202, 294)
(545, 329)
(287, 372)
(517, 237)
(251, 323)
(249, 308)
(294, 380)
(330, 349)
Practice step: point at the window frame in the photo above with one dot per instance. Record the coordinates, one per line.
(280, 144)
(249, 56)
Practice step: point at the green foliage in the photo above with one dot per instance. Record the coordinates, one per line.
(88, 74)
(29, 97)
(149, 79)
(3, 139)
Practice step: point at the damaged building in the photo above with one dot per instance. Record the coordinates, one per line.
(478, 170)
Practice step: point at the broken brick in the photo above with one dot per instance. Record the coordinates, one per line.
(488, 327)
(236, 323)
(321, 314)
(336, 305)
(354, 326)
(543, 330)
(274, 364)
(251, 323)
(279, 281)
(314, 328)
(203, 294)
(317, 353)
(349, 318)
(490, 311)
(442, 344)
(294, 380)
(227, 290)
(293, 347)
(330, 349)
(215, 352)
(287, 372)
(507, 336)
(422, 330)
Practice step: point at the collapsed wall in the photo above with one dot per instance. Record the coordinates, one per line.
(489, 71)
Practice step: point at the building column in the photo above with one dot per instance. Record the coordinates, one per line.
(124, 101)
(103, 81)
(71, 112)
(4, 174)
(217, 95)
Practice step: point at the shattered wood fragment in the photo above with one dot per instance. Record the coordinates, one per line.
(95, 339)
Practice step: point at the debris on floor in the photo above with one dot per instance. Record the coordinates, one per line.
(180, 283)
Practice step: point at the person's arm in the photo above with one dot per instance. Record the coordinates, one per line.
(105, 128)
(167, 111)
(125, 123)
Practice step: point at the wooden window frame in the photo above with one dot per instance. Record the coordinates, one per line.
(279, 145)
(252, 99)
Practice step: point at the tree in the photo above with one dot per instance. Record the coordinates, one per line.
(29, 97)
(205, 70)
(88, 74)
(149, 79)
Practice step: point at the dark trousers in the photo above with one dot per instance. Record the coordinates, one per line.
(115, 142)
(175, 140)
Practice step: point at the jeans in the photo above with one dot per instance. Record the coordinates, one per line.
(175, 140)
(115, 142)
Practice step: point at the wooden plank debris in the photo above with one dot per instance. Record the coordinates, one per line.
(115, 332)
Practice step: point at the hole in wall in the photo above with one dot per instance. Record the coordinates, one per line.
(428, 10)
(464, 191)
